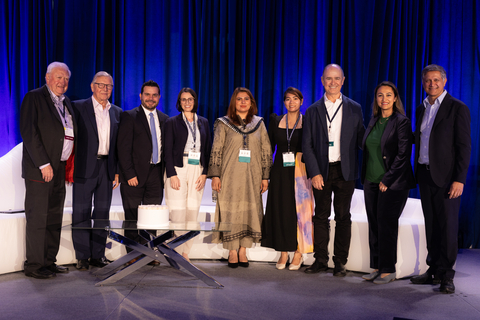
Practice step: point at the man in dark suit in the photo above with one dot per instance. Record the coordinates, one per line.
(332, 134)
(48, 129)
(442, 157)
(95, 169)
(139, 147)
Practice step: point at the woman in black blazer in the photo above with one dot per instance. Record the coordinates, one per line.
(387, 177)
(187, 152)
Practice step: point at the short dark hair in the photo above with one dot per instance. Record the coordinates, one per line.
(150, 83)
(434, 67)
(232, 108)
(293, 91)
(397, 105)
(195, 100)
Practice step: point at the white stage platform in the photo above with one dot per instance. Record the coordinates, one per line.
(411, 242)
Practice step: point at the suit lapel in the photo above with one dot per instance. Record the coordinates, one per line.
(368, 130)
(113, 122)
(90, 110)
(387, 131)
(442, 111)
(345, 119)
(144, 121)
(322, 113)
(50, 103)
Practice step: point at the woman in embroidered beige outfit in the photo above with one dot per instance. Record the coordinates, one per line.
(240, 180)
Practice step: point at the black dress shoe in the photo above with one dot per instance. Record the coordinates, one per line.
(424, 278)
(232, 264)
(243, 264)
(99, 263)
(57, 269)
(82, 265)
(41, 273)
(339, 270)
(316, 267)
(447, 286)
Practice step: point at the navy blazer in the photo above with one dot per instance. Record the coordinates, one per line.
(176, 134)
(42, 132)
(450, 142)
(315, 142)
(396, 146)
(134, 145)
(87, 140)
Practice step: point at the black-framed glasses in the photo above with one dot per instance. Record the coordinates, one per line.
(103, 85)
(186, 100)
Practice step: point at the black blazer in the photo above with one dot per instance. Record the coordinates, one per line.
(176, 134)
(315, 139)
(134, 145)
(396, 146)
(42, 132)
(450, 142)
(87, 140)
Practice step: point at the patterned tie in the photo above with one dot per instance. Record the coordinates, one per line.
(154, 139)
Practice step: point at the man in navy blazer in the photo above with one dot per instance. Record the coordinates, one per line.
(442, 157)
(332, 135)
(140, 154)
(48, 129)
(95, 169)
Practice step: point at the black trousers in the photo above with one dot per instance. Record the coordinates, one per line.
(44, 203)
(441, 224)
(383, 211)
(150, 193)
(343, 192)
(91, 243)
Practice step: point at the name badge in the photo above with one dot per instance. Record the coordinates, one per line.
(244, 156)
(69, 134)
(194, 158)
(330, 139)
(288, 159)
(330, 143)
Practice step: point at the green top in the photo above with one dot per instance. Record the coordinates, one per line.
(375, 167)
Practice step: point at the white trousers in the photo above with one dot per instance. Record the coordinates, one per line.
(184, 204)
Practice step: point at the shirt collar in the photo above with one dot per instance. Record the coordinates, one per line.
(97, 105)
(147, 112)
(55, 98)
(437, 102)
(185, 118)
(327, 100)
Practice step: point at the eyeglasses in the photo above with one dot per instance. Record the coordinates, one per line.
(103, 85)
(186, 100)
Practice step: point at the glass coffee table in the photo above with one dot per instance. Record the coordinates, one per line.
(160, 248)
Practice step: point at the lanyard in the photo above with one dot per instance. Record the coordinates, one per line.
(192, 130)
(63, 115)
(334, 115)
(293, 130)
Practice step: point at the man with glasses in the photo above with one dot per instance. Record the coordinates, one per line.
(95, 171)
(140, 137)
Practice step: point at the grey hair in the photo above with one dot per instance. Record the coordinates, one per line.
(57, 64)
(434, 67)
(335, 66)
(101, 74)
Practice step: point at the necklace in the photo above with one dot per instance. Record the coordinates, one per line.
(384, 120)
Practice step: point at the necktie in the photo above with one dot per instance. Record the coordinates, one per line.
(154, 139)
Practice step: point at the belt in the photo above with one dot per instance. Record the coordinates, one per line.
(426, 166)
(185, 154)
(102, 156)
(335, 163)
(153, 165)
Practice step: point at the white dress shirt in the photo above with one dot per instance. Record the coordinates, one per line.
(102, 117)
(157, 131)
(334, 128)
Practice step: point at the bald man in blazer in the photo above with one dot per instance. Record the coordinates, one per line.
(332, 136)
(141, 165)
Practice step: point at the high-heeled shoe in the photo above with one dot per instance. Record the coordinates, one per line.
(295, 267)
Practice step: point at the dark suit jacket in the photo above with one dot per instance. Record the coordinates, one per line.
(134, 144)
(176, 134)
(450, 143)
(87, 140)
(396, 146)
(315, 139)
(42, 132)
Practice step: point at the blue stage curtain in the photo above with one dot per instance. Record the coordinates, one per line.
(214, 46)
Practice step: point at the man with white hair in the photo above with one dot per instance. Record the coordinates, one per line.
(48, 129)
(95, 172)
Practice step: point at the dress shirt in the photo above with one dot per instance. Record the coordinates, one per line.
(334, 133)
(190, 143)
(157, 130)
(102, 116)
(67, 122)
(426, 127)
